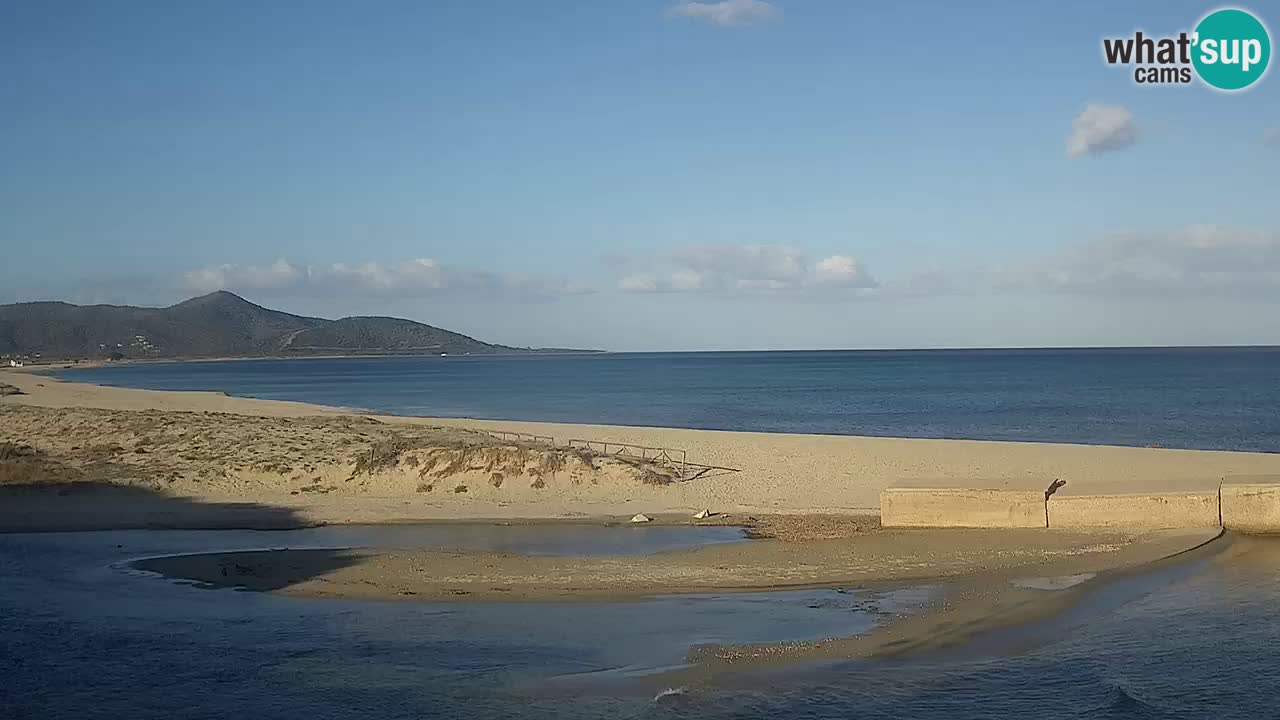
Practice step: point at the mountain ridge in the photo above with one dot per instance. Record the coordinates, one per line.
(219, 324)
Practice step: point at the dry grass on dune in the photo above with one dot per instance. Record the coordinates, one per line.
(218, 452)
(21, 464)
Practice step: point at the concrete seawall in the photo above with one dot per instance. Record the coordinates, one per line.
(1251, 503)
(962, 507)
(1149, 511)
(1244, 503)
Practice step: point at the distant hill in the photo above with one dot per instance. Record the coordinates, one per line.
(220, 324)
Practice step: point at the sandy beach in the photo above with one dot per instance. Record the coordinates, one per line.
(224, 449)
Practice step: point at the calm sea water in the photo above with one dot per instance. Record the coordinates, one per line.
(81, 636)
(1186, 398)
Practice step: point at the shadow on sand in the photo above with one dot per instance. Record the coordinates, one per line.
(88, 506)
(71, 506)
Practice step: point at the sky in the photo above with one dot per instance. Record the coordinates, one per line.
(644, 174)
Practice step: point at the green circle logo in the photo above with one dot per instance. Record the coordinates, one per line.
(1231, 49)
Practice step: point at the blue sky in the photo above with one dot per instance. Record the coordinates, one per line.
(644, 174)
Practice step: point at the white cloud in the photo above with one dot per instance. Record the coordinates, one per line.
(279, 274)
(414, 277)
(744, 265)
(1271, 136)
(639, 282)
(727, 13)
(687, 280)
(839, 271)
(418, 274)
(1101, 128)
(1192, 260)
(747, 269)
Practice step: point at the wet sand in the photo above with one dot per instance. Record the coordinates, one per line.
(983, 580)
(874, 556)
(970, 612)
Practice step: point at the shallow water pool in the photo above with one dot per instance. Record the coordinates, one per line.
(79, 638)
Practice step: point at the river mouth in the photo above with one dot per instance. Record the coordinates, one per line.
(70, 617)
(89, 581)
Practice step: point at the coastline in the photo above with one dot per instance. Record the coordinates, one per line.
(222, 463)
(51, 366)
(776, 473)
(71, 363)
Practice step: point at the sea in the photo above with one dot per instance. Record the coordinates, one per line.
(1195, 398)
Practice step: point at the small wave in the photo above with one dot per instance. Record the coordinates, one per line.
(1124, 704)
(670, 693)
